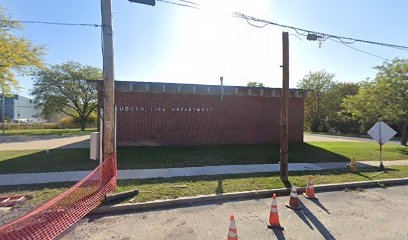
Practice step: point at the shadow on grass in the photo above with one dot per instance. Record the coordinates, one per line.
(196, 156)
(219, 189)
(56, 160)
(71, 159)
(402, 150)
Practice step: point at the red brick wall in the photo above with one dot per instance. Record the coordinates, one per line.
(204, 120)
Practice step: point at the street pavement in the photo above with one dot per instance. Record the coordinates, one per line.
(379, 213)
(49, 177)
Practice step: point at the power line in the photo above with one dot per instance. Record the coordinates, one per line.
(368, 53)
(190, 2)
(184, 4)
(319, 35)
(56, 23)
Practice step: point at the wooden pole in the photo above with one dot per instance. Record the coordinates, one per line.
(109, 80)
(3, 103)
(284, 109)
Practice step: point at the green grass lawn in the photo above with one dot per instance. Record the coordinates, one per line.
(43, 132)
(39, 161)
(166, 157)
(348, 135)
(154, 189)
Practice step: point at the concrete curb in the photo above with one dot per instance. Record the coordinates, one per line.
(188, 201)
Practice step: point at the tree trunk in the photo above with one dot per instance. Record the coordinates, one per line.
(404, 134)
(82, 122)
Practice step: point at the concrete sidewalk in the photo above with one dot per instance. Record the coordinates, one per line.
(10, 143)
(49, 177)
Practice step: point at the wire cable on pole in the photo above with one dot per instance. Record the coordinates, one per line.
(323, 36)
(184, 4)
(57, 23)
(368, 53)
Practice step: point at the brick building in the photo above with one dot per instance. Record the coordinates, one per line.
(192, 114)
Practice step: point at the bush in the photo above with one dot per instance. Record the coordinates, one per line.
(70, 122)
(16, 126)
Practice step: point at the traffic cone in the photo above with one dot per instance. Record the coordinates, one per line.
(353, 165)
(232, 232)
(310, 192)
(293, 201)
(274, 216)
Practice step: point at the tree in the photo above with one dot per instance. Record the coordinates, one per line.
(17, 54)
(65, 88)
(336, 117)
(386, 97)
(255, 84)
(316, 111)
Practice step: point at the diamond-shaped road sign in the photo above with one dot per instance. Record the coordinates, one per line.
(381, 132)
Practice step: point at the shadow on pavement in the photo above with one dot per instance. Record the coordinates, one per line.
(306, 215)
(319, 204)
(278, 233)
(302, 216)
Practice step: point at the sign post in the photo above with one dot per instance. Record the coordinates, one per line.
(381, 133)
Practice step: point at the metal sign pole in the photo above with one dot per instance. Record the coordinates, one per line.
(381, 133)
(381, 154)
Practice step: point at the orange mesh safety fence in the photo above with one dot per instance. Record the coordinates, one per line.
(51, 219)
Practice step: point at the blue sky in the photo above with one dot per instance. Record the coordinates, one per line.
(168, 43)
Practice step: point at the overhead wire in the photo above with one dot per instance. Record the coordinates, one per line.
(368, 53)
(190, 2)
(345, 41)
(57, 23)
(183, 4)
(324, 36)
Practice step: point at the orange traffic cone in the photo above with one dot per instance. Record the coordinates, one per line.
(293, 201)
(232, 232)
(274, 216)
(310, 193)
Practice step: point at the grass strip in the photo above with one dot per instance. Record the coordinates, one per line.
(164, 188)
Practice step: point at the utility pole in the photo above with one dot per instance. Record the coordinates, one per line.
(284, 109)
(109, 80)
(222, 89)
(3, 103)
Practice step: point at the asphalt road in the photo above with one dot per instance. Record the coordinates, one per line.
(366, 214)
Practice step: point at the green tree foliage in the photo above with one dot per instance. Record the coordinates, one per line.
(336, 117)
(255, 84)
(386, 97)
(316, 107)
(64, 88)
(17, 54)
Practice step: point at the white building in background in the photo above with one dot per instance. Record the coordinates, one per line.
(20, 109)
